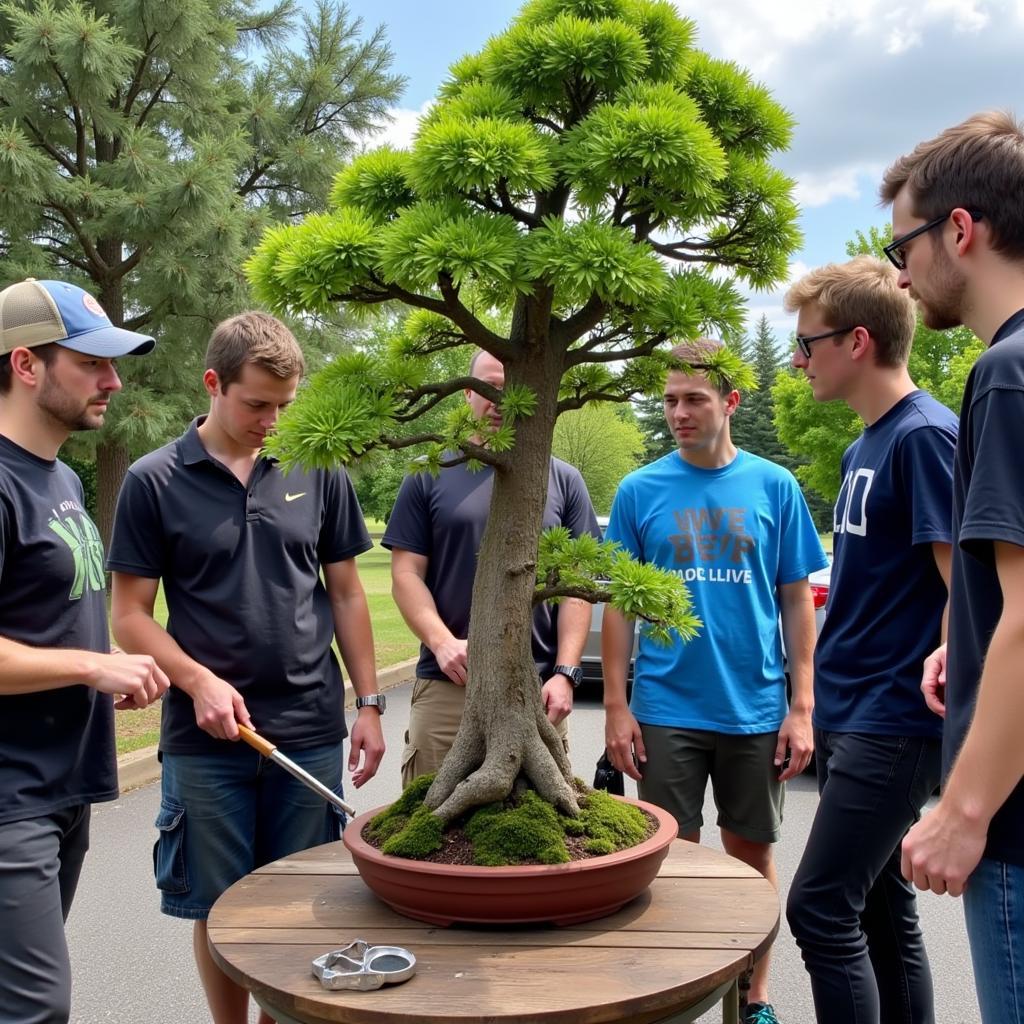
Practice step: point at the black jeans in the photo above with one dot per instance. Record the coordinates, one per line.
(852, 913)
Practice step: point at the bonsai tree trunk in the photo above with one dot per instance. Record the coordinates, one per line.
(504, 729)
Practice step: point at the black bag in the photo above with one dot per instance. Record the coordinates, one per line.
(608, 777)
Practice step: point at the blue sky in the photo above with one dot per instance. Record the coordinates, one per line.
(865, 82)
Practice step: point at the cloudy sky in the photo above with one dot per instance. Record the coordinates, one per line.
(864, 81)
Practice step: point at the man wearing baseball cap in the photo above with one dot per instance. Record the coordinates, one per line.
(58, 678)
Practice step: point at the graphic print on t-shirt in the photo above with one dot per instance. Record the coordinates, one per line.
(851, 512)
(79, 532)
(712, 545)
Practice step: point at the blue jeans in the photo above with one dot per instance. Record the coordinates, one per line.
(994, 908)
(852, 913)
(223, 815)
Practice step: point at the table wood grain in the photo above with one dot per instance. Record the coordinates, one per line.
(704, 920)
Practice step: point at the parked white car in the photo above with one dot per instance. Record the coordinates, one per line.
(591, 661)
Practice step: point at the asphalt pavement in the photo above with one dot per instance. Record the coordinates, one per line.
(132, 965)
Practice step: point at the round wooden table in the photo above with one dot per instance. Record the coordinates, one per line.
(670, 955)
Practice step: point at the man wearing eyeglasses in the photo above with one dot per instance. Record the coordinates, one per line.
(958, 223)
(878, 747)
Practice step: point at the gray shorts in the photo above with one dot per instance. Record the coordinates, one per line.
(40, 861)
(744, 779)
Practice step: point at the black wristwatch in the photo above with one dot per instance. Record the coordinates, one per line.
(374, 700)
(571, 672)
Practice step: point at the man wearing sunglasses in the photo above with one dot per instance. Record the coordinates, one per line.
(878, 747)
(958, 223)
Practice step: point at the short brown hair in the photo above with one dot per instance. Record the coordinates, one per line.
(977, 165)
(47, 353)
(253, 338)
(862, 293)
(696, 354)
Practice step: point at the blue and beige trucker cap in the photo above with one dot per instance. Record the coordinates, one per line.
(40, 312)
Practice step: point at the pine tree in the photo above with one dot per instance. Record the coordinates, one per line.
(753, 423)
(564, 170)
(142, 153)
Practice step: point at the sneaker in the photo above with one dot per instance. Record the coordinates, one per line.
(759, 1013)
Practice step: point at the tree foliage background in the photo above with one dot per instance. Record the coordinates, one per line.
(144, 148)
(604, 443)
(818, 433)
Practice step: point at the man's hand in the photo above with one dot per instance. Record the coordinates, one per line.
(797, 735)
(219, 708)
(933, 681)
(451, 659)
(557, 696)
(366, 746)
(135, 680)
(624, 741)
(941, 851)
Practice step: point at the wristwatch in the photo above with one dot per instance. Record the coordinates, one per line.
(571, 672)
(373, 700)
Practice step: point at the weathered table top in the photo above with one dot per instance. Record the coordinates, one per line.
(705, 920)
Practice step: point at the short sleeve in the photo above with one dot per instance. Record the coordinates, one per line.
(800, 550)
(409, 526)
(623, 526)
(343, 534)
(136, 542)
(994, 504)
(926, 473)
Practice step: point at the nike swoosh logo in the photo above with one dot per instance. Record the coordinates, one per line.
(292, 497)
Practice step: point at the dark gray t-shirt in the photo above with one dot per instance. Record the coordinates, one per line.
(443, 517)
(241, 574)
(56, 746)
(988, 506)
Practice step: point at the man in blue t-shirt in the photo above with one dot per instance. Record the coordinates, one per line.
(57, 672)
(736, 529)
(958, 241)
(878, 746)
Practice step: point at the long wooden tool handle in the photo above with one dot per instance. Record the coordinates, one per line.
(254, 739)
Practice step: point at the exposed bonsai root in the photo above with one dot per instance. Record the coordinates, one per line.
(491, 782)
(466, 755)
(550, 785)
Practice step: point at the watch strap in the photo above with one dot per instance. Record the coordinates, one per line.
(571, 672)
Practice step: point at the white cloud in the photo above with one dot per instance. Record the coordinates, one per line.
(400, 131)
(818, 188)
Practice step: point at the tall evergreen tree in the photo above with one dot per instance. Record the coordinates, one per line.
(143, 151)
(753, 424)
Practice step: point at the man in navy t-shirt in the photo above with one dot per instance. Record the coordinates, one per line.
(878, 745)
(57, 673)
(958, 241)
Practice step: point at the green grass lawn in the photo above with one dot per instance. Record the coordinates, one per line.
(392, 640)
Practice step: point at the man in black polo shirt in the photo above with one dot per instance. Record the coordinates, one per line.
(240, 548)
(958, 241)
(57, 674)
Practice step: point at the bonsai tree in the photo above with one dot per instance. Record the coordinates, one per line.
(577, 201)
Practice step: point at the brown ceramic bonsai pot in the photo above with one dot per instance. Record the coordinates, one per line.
(520, 894)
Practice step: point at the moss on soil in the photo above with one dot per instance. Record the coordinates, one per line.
(521, 830)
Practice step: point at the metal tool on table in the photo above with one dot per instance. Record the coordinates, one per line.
(364, 967)
(269, 751)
